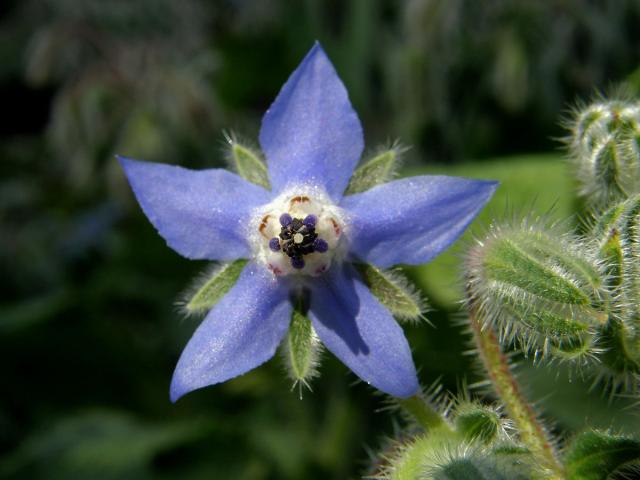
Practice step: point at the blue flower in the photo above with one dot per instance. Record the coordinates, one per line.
(304, 233)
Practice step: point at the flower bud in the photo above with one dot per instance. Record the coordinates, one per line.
(542, 289)
(477, 422)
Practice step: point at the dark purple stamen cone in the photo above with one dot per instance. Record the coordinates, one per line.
(310, 220)
(285, 219)
(274, 244)
(320, 245)
(297, 262)
(297, 238)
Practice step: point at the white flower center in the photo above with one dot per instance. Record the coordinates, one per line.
(299, 232)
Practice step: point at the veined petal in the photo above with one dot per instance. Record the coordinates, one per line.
(413, 219)
(311, 134)
(361, 332)
(202, 214)
(241, 332)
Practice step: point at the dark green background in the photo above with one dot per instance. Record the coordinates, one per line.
(89, 334)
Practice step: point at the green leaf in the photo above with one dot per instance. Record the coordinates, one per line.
(302, 348)
(213, 286)
(595, 455)
(380, 169)
(101, 444)
(394, 292)
(249, 165)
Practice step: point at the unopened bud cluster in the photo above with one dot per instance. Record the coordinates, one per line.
(604, 147)
(572, 297)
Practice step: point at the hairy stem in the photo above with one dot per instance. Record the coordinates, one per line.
(532, 433)
(423, 412)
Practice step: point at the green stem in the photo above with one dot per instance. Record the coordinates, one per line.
(532, 433)
(424, 413)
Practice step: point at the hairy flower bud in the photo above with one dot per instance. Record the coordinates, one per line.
(478, 422)
(541, 289)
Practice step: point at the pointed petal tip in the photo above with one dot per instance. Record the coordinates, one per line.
(177, 390)
(316, 49)
(174, 394)
(122, 160)
(311, 133)
(127, 163)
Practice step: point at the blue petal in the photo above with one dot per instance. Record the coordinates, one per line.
(241, 332)
(414, 219)
(202, 214)
(311, 134)
(361, 332)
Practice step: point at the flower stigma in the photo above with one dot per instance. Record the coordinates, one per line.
(299, 233)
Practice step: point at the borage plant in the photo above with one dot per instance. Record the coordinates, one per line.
(304, 243)
(307, 239)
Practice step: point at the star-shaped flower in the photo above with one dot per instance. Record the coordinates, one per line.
(303, 235)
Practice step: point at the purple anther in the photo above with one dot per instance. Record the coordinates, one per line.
(319, 245)
(297, 262)
(310, 220)
(274, 244)
(285, 219)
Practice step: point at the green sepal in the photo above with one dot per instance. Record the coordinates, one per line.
(528, 263)
(393, 291)
(477, 422)
(302, 348)
(213, 286)
(380, 169)
(248, 163)
(596, 455)
(557, 321)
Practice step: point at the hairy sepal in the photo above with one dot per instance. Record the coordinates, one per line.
(207, 290)
(394, 291)
(247, 162)
(379, 169)
(302, 349)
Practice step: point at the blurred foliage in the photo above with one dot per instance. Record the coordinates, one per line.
(88, 334)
